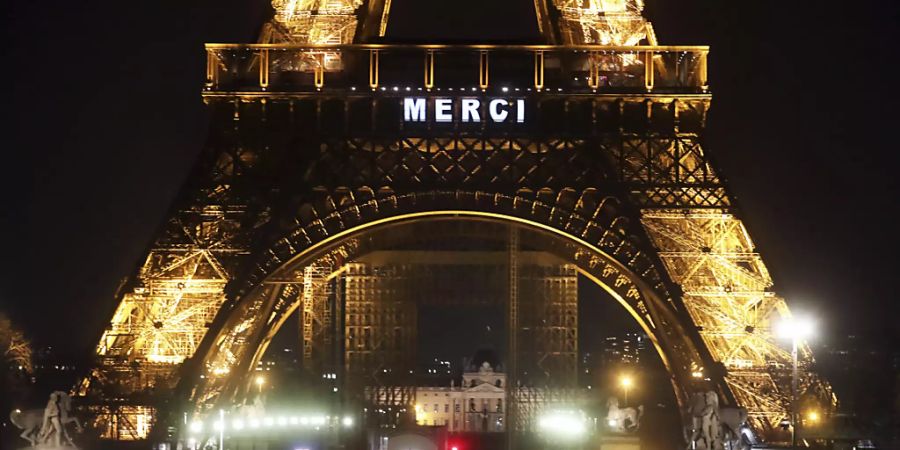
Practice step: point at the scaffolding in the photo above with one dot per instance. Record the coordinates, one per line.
(317, 318)
(548, 324)
(380, 323)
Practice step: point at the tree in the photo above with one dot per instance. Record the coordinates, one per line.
(17, 352)
(15, 373)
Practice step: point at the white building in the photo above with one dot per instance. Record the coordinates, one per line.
(476, 406)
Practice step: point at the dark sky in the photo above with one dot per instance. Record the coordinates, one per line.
(103, 119)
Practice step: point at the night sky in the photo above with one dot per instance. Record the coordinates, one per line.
(103, 119)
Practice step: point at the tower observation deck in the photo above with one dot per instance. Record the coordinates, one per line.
(324, 131)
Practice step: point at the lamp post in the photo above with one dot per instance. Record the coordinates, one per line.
(797, 330)
(221, 429)
(626, 383)
(260, 381)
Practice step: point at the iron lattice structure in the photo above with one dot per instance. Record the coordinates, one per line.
(308, 148)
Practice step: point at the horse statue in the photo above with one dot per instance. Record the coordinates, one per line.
(46, 428)
(733, 423)
(623, 420)
(711, 427)
(30, 421)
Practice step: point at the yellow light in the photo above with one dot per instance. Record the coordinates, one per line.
(813, 416)
(260, 380)
(421, 415)
(626, 381)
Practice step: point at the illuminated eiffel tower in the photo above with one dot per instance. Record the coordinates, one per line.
(317, 135)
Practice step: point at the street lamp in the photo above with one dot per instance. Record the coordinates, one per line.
(221, 429)
(796, 329)
(813, 417)
(260, 381)
(626, 382)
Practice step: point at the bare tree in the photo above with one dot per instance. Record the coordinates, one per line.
(17, 353)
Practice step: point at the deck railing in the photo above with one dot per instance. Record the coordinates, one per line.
(570, 69)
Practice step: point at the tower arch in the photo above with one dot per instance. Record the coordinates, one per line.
(588, 230)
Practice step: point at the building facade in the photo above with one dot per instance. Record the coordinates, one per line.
(478, 405)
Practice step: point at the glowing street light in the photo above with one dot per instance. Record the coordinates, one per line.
(796, 329)
(568, 426)
(221, 425)
(813, 417)
(626, 382)
(260, 381)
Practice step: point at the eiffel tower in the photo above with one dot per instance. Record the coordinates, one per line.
(327, 139)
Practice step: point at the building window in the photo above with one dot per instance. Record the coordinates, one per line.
(499, 405)
(446, 407)
(435, 407)
(456, 407)
(498, 383)
(472, 405)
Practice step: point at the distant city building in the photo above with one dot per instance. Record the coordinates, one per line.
(47, 360)
(284, 360)
(476, 406)
(624, 350)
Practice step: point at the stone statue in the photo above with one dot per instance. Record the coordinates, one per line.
(702, 424)
(46, 429)
(710, 427)
(623, 420)
(733, 422)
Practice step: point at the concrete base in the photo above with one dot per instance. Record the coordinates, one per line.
(620, 443)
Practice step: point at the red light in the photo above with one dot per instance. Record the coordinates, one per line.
(454, 448)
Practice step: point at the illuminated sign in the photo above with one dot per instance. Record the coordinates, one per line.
(472, 110)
